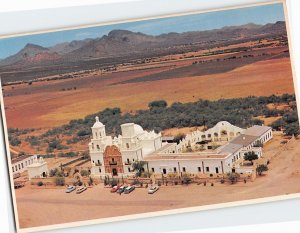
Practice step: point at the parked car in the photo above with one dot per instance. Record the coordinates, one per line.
(18, 184)
(121, 189)
(16, 175)
(129, 189)
(81, 189)
(115, 188)
(153, 189)
(70, 189)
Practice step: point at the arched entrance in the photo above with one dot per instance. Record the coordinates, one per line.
(164, 171)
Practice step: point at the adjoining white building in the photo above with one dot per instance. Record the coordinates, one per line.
(20, 164)
(114, 156)
(38, 169)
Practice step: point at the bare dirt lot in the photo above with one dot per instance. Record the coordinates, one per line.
(40, 206)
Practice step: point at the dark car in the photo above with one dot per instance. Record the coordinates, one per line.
(121, 189)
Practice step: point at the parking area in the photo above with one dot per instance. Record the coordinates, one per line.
(38, 206)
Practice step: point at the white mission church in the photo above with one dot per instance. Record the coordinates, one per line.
(196, 153)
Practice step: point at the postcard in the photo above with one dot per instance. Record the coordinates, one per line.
(149, 117)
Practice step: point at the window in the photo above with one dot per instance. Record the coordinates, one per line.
(127, 145)
(16, 168)
(19, 166)
(129, 169)
(199, 169)
(99, 162)
(113, 160)
(152, 169)
(98, 147)
(100, 170)
(13, 169)
(22, 165)
(174, 169)
(127, 160)
(25, 163)
(183, 169)
(207, 169)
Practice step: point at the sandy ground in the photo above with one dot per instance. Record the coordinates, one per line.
(40, 206)
(47, 106)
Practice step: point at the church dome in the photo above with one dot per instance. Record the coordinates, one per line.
(138, 129)
(97, 124)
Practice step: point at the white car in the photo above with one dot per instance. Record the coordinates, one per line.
(70, 189)
(81, 189)
(153, 189)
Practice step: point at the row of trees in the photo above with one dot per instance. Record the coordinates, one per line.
(242, 112)
(160, 116)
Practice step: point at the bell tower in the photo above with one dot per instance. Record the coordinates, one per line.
(98, 130)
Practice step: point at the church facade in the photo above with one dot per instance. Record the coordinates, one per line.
(114, 155)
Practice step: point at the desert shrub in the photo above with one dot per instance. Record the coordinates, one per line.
(48, 156)
(14, 141)
(233, 177)
(68, 154)
(56, 144)
(56, 172)
(84, 173)
(83, 132)
(59, 181)
(33, 140)
(157, 104)
(40, 183)
(135, 182)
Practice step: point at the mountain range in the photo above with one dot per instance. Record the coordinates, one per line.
(123, 43)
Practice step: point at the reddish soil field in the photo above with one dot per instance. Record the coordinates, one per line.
(46, 105)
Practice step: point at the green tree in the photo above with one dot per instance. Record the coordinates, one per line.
(84, 173)
(138, 167)
(157, 104)
(292, 129)
(59, 181)
(179, 137)
(233, 177)
(250, 156)
(278, 124)
(261, 168)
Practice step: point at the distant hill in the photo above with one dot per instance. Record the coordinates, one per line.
(67, 47)
(123, 43)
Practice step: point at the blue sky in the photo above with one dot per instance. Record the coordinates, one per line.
(197, 22)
